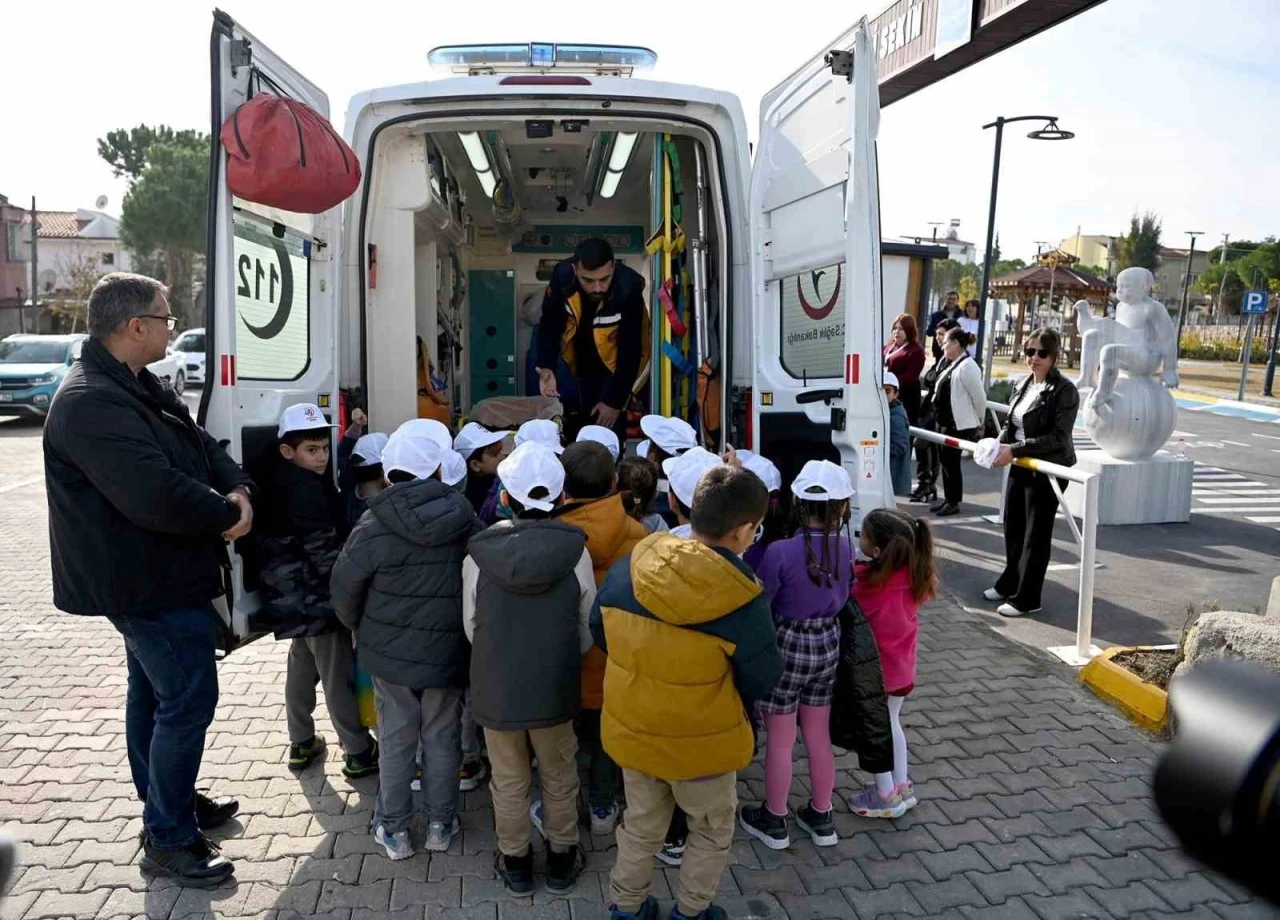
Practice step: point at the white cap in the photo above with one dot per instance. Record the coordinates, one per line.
(672, 435)
(412, 453)
(891, 380)
(369, 448)
(474, 436)
(454, 468)
(827, 481)
(762, 467)
(601, 435)
(539, 431)
(642, 449)
(302, 417)
(686, 471)
(530, 465)
(428, 428)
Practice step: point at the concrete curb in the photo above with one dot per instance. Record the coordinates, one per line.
(1145, 704)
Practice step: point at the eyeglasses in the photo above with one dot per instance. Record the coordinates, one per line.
(1032, 352)
(169, 319)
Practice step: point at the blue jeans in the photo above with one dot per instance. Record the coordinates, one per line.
(173, 690)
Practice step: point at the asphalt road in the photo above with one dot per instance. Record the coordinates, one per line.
(1151, 575)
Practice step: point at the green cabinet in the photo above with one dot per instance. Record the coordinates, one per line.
(492, 332)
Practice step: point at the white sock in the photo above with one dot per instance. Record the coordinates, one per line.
(885, 785)
(899, 740)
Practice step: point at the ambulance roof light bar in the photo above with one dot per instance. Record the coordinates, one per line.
(541, 57)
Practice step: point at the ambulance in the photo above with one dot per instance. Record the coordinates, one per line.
(763, 272)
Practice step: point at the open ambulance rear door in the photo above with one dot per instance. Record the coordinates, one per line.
(271, 284)
(815, 269)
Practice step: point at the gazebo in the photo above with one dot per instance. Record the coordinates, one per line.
(1054, 280)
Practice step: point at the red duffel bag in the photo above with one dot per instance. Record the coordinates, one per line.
(285, 154)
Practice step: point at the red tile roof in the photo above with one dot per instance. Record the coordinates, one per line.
(56, 224)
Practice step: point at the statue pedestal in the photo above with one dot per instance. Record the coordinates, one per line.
(1156, 490)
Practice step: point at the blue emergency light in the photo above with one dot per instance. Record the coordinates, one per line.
(621, 60)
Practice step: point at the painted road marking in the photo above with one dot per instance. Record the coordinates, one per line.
(1240, 501)
(1195, 492)
(13, 486)
(1234, 443)
(1265, 520)
(1269, 437)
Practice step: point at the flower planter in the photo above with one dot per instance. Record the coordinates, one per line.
(1145, 704)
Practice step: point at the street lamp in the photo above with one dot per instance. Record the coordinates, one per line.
(1049, 132)
(1186, 285)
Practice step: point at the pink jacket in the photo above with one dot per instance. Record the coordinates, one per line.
(893, 615)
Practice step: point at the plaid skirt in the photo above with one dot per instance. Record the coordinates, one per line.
(810, 654)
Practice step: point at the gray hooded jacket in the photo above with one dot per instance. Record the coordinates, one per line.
(398, 585)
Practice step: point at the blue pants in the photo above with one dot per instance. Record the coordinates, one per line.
(173, 690)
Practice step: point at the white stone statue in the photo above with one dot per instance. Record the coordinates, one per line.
(1130, 414)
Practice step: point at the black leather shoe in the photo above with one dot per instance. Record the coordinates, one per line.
(197, 865)
(211, 813)
(946, 509)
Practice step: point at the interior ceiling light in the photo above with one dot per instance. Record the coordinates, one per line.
(487, 182)
(475, 151)
(623, 145)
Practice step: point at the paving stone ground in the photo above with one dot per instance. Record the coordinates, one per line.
(1035, 797)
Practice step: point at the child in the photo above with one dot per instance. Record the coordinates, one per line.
(638, 479)
(775, 521)
(683, 474)
(527, 593)
(807, 578)
(359, 465)
(687, 630)
(667, 438)
(483, 450)
(398, 586)
(899, 438)
(601, 435)
(890, 589)
(302, 527)
(591, 503)
(539, 430)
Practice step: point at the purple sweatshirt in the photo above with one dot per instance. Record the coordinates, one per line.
(790, 589)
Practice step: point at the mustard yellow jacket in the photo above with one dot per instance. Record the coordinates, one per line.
(690, 636)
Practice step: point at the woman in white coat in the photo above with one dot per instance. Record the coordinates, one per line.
(960, 404)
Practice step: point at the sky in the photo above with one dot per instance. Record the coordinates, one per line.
(1174, 102)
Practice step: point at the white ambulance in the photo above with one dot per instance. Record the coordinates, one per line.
(475, 185)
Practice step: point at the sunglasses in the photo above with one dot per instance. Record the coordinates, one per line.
(1041, 352)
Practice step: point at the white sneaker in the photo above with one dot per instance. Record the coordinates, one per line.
(993, 595)
(440, 835)
(535, 815)
(1008, 610)
(603, 821)
(397, 845)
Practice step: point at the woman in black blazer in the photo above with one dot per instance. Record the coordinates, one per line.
(1039, 425)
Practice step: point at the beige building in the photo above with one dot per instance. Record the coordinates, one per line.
(1172, 272)
(1091, 249)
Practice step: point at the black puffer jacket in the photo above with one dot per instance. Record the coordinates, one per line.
(398, 585)
(860, 711)
(135, 490)
(300, 533)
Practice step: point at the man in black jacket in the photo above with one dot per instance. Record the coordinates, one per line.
(950, 310)
(593, 317)
(141, 502)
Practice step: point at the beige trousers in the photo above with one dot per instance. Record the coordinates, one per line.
(711, 805)
(557, 750)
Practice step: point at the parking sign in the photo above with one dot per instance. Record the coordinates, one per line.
(1255, 302)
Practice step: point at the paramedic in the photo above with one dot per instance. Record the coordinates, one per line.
(593, 331)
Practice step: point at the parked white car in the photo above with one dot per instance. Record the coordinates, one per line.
(172, 368)
(189, 348)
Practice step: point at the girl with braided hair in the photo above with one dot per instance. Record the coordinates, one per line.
(807, 578)
(890, 588)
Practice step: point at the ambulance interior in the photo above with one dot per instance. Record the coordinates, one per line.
(466, 221)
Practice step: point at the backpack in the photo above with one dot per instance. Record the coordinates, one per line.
(283, 153)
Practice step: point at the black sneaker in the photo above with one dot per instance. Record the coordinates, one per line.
(672, 852)
(714, 912)
(197, 865)
(516, 872)
(765, 826)
(302, 753)
(563, 869)
(211, 813)
(818, 825)
(648, 911)
(361, 765)
(471, 775)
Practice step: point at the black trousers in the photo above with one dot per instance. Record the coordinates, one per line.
(926, 465)
(950, 459)
(1029, 511)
